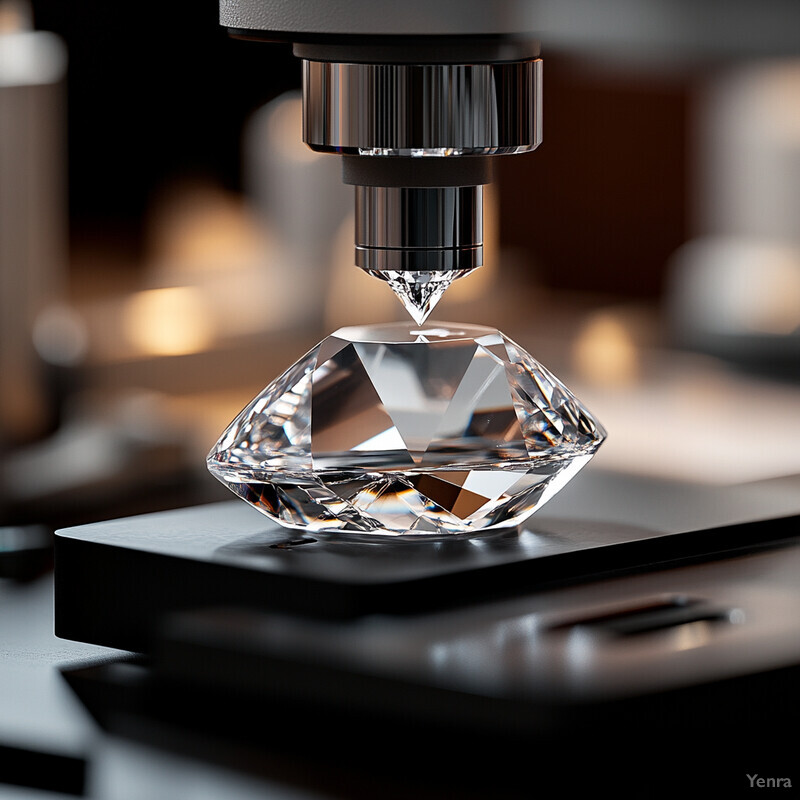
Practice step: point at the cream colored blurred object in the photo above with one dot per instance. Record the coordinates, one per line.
(689, 418)
(735, 288)
(298, 196)
(747, 162)
(208, 242)
(32, 210)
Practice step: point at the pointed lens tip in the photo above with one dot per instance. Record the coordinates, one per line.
(419, 296)
(419, 315)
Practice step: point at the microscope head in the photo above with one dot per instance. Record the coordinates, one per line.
(418, 98)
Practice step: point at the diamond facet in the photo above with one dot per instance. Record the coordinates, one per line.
(392, 430)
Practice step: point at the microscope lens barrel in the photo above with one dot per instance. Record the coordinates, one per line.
(422, 110)
(430, 229)
(418, 98)
(418, 141)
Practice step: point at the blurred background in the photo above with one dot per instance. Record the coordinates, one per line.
(168, 246)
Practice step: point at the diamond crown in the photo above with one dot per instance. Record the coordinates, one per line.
(396, 429)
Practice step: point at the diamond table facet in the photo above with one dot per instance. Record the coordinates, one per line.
(402, 430)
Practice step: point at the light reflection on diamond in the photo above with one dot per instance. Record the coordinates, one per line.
(386, 430)
(419, 291)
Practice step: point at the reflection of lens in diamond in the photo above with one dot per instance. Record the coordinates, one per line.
(387, 430)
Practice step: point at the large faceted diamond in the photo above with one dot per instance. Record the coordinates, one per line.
(395, 429)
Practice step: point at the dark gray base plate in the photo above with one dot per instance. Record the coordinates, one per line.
(116, 580)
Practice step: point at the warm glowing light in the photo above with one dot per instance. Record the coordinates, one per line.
(605, 353)
(776, 82)
(692, 635)
(286, 128)
(15, 16)
(355, 298)
(168, 322)
(197, 229)
(774, 306)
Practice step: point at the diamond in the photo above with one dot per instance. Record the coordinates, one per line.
(419, 291)
(396, 430)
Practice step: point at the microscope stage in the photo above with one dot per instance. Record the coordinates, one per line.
(116, 581)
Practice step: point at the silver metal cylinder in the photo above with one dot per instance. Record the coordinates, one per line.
(419, 228)
(409, 115)
(422, 109)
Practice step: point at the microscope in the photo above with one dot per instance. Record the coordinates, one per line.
(418, 99)
(425, 429)
(554, 630)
